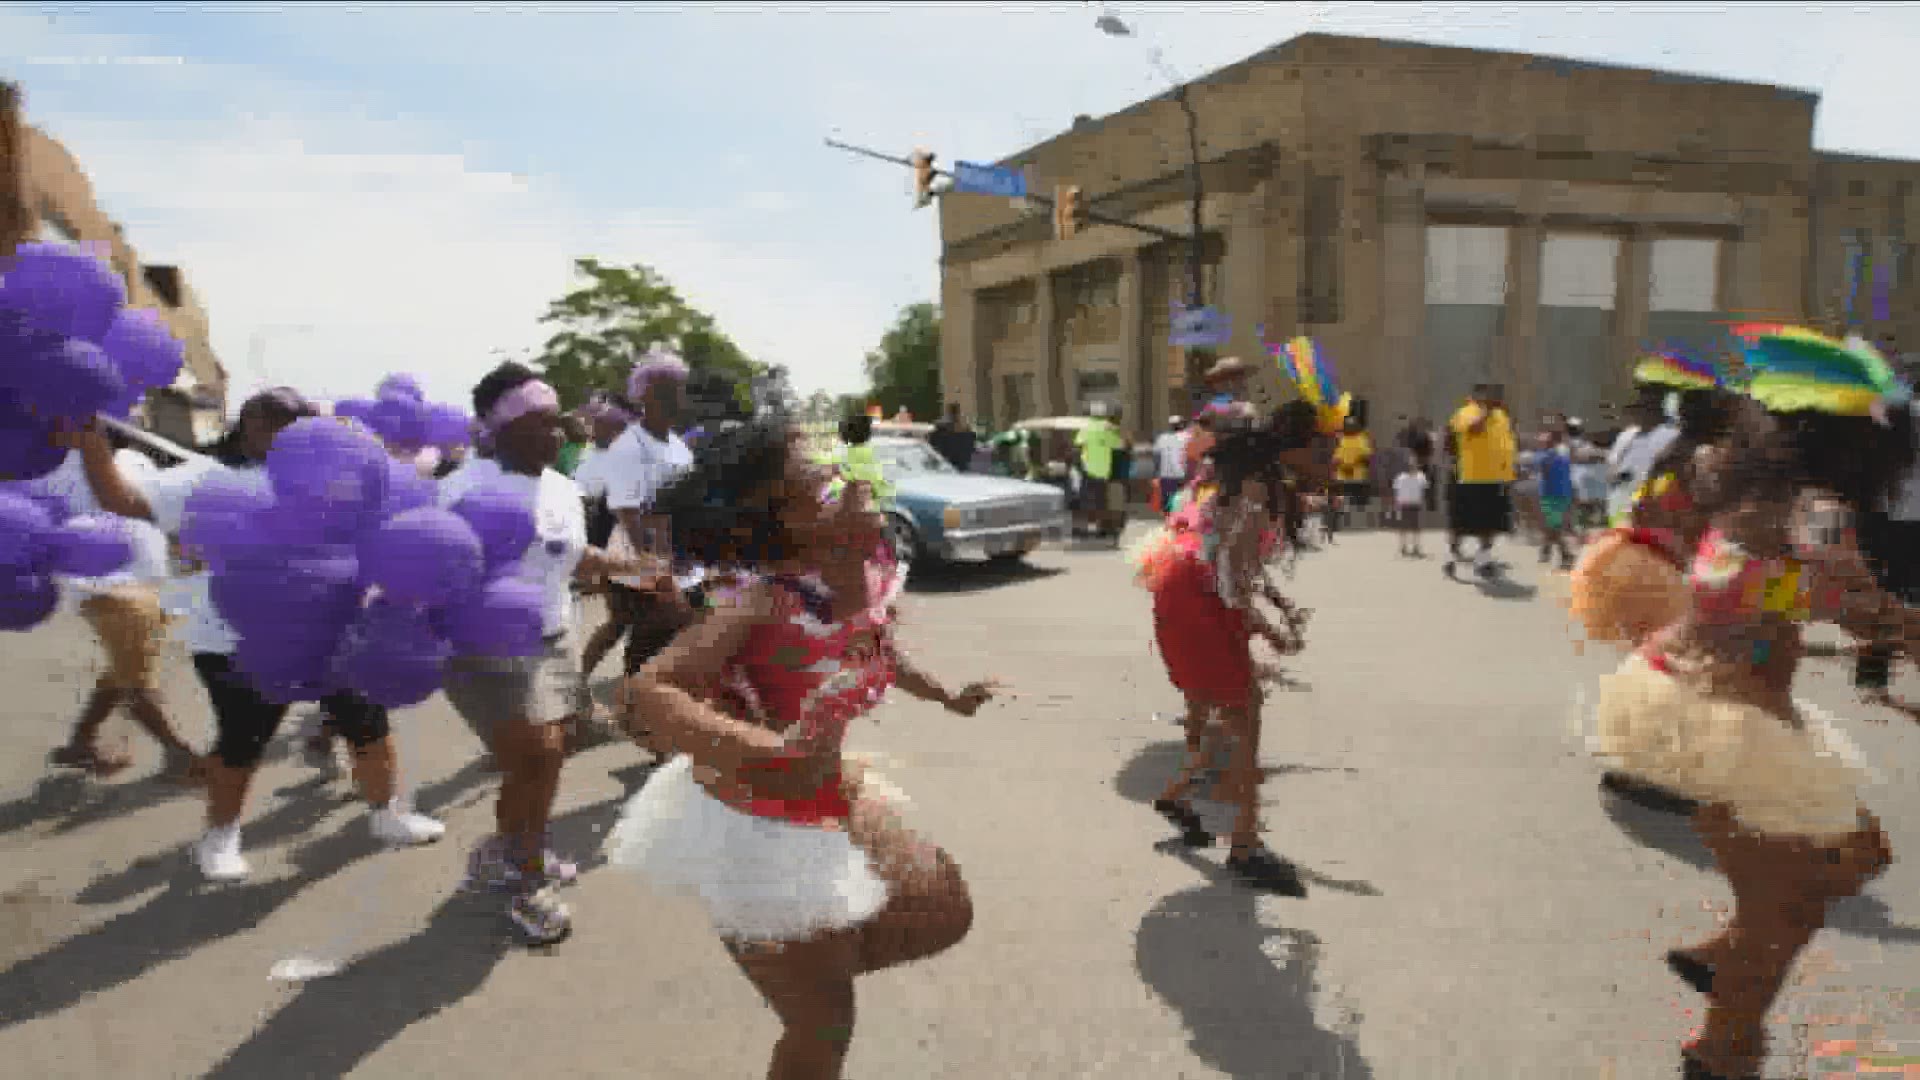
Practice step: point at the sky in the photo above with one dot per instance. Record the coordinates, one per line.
(404, 188)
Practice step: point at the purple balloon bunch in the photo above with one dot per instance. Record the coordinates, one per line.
(400, 414)
(345, 575)
(70, 349)
(37, 541)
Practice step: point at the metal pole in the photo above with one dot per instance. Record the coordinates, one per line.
(1196, 250)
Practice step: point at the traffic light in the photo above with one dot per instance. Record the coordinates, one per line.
(1067, 217)
(922, 161)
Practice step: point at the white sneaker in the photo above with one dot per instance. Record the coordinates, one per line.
(217, 854)
(404, 828)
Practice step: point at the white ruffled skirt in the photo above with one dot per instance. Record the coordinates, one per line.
(759, 879)
(1805, 781)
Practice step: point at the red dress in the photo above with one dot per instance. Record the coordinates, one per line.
(1205, 644)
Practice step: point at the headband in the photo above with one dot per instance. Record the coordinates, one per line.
(529, 397)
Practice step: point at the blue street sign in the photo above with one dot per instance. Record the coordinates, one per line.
(1200, 328)
(971, 179)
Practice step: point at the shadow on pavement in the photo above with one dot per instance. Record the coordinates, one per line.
(333, 1025)
(1149, 772)
(186, 914)
(1248, 1014)
(1668, 833)
(75, 801)
(962, 577)
(1504, 589)
(1868, 916)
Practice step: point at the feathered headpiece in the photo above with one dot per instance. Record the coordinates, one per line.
(1310, 369)
(1795, 369)
(1677, 369)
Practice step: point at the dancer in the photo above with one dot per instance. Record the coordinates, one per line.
(1627, 583)
(1705, 707)
(519, 707)
(798, 854)
(123, 610)
(642, 461)
(1205, 568)
(245, 720)
(595, 480)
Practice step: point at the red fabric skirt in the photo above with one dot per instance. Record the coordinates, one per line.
(1204, 643)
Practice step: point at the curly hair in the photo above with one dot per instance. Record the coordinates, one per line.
(723, 510)
(1705, 417)
(1773, 456)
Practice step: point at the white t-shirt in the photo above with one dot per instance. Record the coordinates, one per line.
(148, 566)
(167, 491)
(1170, 454)
(1630, 460)
(637, 466)
(1410, 488)
(591, 473)
(559, 525)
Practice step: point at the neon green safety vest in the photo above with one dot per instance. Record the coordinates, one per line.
(859, 465)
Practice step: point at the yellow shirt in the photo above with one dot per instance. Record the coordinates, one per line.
(1351, 456)
(1486, 457)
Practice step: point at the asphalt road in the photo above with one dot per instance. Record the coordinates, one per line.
(1476, 909)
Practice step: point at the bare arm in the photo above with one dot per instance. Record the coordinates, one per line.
(116, 493)
(671, 697)
(909, 677)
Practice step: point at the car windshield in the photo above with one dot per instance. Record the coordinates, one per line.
(910, 457)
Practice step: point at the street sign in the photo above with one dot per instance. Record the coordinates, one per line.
(1201, 328)
(971, 179)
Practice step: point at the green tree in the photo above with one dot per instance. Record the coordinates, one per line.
(905, 369)
(612, 317)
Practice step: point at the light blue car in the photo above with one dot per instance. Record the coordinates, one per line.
(939, 513)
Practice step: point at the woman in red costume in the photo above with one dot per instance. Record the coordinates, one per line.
(1204, 569)
(1705, 708)
(797, 853)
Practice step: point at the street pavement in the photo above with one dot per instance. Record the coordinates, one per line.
(1475, 907)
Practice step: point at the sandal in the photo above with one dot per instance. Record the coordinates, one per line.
(88, 758)
(1262, 869)
(1192, 833)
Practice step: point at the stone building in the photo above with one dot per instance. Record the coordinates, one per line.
(1433, 217)
(45, 195)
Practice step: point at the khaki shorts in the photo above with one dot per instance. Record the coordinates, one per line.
(489, 691)
(131, 627)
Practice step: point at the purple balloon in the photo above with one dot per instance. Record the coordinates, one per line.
(62, 290)
(503, 519)
(291, 594)
(425, 556)
(27, 451)
(72, 380)
(448, 426)
(353, 409)
(501, 619)
(402, 387)
(25, 527)
(392, 656)
(407, 489)
(401, 421)
(285, 670)
(223, 515)
(26, 600)
(143, 346)
(330, 476)
(90, 546)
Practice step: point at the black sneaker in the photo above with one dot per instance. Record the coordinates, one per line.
(1268, 872)
(1192, 834)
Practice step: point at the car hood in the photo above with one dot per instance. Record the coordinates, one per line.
(966, 487)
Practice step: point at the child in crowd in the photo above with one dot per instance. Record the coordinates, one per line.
(1409, 495)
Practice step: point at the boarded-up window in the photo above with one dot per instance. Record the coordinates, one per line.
(1466, 294)
(1320, 272)
(1683, 294)
(1579, 277)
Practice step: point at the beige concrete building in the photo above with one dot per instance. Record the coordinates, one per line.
(45, 195)
(1433, 217)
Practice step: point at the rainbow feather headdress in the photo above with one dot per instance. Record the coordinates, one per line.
(1795, 369)
(1309, 369)
(1677, 369)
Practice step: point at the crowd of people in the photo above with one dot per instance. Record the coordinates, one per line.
(753, 594)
